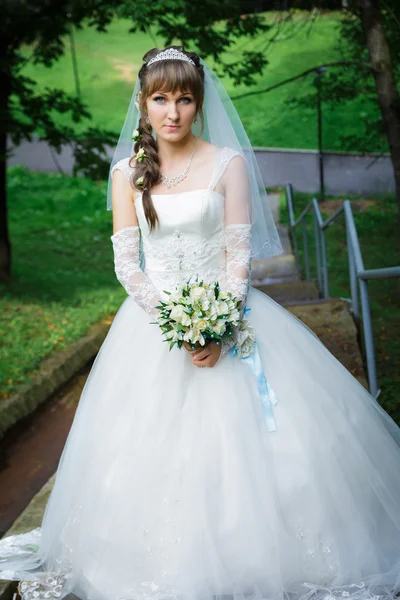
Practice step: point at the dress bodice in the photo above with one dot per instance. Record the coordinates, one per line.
(189, 238)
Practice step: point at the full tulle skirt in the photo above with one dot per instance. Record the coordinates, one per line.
(170, 484)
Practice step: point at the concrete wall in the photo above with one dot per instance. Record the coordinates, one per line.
(344, 173)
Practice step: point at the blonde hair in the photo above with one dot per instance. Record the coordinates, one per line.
(165, 76)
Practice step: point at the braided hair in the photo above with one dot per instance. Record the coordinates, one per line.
(166, 75)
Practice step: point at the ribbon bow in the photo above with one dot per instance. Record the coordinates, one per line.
(265, 391)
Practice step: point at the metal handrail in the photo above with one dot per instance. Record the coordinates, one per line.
(359, 276)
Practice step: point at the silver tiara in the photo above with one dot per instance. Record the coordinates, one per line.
(170, 54)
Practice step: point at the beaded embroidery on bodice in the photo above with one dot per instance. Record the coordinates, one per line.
(189, 240)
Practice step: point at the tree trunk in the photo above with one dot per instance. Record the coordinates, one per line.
(5, 246)
(388, 96)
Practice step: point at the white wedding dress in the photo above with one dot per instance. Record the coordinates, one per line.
(171, 486)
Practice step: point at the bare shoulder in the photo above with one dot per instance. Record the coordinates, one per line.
(206, 153)
(122, 178)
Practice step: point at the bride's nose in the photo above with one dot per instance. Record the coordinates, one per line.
(173, 113)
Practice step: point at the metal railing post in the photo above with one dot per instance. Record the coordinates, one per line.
(289, 200)
(305, 248)
(368, 338)
(322, 245)
(353, 275)
(324, 264)
(365, 307)
(317, 251)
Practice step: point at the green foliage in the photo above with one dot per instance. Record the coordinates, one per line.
(43, 26)
(375, 221)
(64, 279)
(108, 66)
(353, 83)
(195, 26)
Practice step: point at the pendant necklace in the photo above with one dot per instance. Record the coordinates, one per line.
(173, 181)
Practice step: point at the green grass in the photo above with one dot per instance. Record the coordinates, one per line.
(108, 65)
(63, 279)
(376, 226)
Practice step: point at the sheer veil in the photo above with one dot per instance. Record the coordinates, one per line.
(222, 127)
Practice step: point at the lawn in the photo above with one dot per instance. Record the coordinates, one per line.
(108, 65)
(63, 278)
(375, 221)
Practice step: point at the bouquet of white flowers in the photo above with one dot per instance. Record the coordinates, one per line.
(200, 312)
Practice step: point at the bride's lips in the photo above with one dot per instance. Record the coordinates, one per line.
(172, 127)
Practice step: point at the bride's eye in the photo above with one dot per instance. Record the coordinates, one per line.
(186, 100)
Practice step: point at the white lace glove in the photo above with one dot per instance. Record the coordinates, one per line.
(238, 269)
(127, 269)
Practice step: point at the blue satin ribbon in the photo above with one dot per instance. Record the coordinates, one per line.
(267, 395)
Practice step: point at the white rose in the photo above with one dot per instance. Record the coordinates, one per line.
(219, 328)
(222, 308)
(231, 304)
(188, 335)
(234, 315)
(213, 311)
(197, 294)
(177, 313)
(211, 295)
(205, 305)
(196, 336)
(186, 320)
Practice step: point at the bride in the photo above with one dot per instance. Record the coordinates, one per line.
(194, 474)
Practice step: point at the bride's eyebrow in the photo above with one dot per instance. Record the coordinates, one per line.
(188, 93)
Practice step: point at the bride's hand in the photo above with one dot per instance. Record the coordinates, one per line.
(205, 356)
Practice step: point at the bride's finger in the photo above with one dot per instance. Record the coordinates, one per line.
(206, 362)
(201, 354)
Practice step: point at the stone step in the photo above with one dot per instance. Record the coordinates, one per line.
(274, 270)
(332, 322)
(291, 292)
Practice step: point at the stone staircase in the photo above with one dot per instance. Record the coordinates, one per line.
(330, 319)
